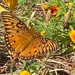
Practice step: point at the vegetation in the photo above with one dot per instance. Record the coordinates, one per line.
(55, 20)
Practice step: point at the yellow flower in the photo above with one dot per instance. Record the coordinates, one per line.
(2, 9)
(73, 47)
(24, 72)
(42, 32)
(12, 4)
(68, 4)
(11, 53)
(72, 35)
(45, 6)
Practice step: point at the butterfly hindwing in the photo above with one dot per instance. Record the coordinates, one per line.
(38, 47)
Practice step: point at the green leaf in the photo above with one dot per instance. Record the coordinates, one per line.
(67, 51)
(24, 65)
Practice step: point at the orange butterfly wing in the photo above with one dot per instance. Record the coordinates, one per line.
(24, 41)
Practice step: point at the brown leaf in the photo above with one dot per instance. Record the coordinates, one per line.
(67, 18)
(48, 15)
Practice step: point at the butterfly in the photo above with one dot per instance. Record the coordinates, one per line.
(23, 40)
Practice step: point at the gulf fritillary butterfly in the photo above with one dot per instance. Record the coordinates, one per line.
(23, 40)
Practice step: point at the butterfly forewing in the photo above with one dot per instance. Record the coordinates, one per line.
(22, 40)
(16, 31)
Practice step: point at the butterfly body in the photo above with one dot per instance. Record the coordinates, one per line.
(23, 40)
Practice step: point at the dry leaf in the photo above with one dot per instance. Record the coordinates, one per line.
(48, 15)
(67, 16)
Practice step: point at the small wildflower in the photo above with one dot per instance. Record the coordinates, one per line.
(54, 8)
(12, 4)
(73, 47)
(68, 4)
(72, 35)
(11, 53)
(2, 9)
(45, 6)
(42, 32)
(24, 72)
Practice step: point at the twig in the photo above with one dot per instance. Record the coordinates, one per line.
(59, 70)
(44, 63)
